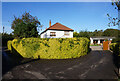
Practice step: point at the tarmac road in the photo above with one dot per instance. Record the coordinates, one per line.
(98, 64)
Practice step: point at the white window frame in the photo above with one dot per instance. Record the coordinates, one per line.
(66, 33)
(52, 34)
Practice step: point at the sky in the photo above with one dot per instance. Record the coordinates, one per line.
(75, 15)
(57, 0)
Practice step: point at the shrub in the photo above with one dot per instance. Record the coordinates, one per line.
(115, 47)
(5, 38)
(53, 48)
(116, 40)
(9, 44)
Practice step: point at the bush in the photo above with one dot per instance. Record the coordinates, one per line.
(53, 48)
(115, 47)
(5, 38)
(9, 44)
(116, 40)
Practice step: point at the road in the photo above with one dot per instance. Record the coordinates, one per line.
(98, 64)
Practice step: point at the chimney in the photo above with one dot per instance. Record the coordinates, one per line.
(49, 23)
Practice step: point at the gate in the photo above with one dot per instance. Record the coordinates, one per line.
(105, 45)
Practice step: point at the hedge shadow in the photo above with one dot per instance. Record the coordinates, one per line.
(13, 59)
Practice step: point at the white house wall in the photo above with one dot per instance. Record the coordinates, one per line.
(44, 35)
(59, 34)
(91, 41)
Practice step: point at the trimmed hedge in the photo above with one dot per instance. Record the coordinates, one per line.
(9, 44)
(53, 48)
(115, 47)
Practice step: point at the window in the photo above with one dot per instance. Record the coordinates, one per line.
(66, 32)
(101, 41)
(52, 33)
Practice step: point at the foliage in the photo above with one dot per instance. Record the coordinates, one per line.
(75, 34)
(111, 32)
(107, 32)
(6, 37)
(98, 33)
(61, 48)
(25, 26)
(114, 20)
(9, 44)
(0, 35)
(0, 39)
(115, 47)
(84, 34)
(95, 45)
(116, 40)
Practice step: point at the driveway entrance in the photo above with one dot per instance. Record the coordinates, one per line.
(98, 64)
(96, 47)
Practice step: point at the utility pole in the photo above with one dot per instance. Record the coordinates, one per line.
(3, 29)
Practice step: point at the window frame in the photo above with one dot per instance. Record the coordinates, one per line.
(52, 34)
(66, 33)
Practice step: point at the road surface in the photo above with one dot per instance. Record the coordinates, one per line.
(98, 64)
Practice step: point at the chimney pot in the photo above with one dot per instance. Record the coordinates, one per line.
(49, 23)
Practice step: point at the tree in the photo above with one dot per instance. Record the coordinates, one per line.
(84, 34)
(6, 37)
(97, 33)
(111, 32)
(25, 26)
(75, 34)
(114, 20)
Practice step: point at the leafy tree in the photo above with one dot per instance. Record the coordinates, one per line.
(75, 34)
(114, 20)
(0, 35)
(111, 32)
(97, 33)
(25, 26)
(84, 34)
(6, 37)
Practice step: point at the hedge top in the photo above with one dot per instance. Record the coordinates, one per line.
(53, 48)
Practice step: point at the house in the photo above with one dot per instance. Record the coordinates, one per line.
(57, 31)
(99, 40)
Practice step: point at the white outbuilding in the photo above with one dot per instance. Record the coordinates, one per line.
(99, 40)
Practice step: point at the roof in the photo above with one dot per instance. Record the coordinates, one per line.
(102, 37)
(58, 26)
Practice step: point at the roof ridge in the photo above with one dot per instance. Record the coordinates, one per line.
(52, 25)
(59, 25)
(64, 26)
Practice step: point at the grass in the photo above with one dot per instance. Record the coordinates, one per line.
(95, 45)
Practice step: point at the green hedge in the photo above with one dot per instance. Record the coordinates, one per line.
(115, 47)
(53, 48)
(9, 44)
